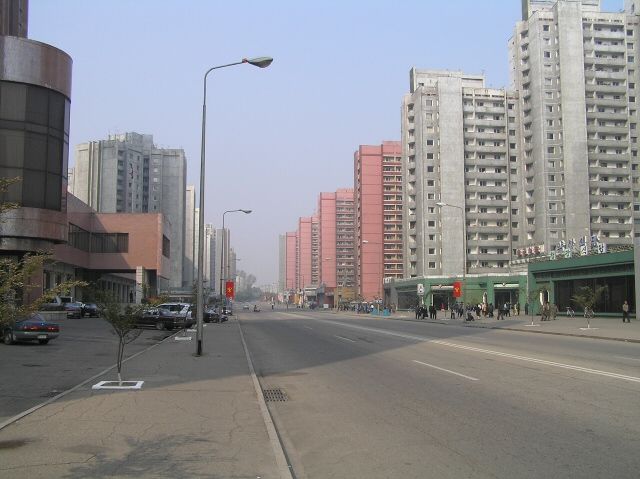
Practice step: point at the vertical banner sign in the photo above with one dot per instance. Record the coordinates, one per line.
(230, 290)
(457, 289)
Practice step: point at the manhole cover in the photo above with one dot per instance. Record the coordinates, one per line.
(274, 395)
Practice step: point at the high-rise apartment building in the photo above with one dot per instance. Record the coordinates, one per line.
(291, 253)
(345, 242)
(190, 254)
(128, 173)
(304, 260)
(460, 144)
(282, 263)
(378, 216)
(576, 69)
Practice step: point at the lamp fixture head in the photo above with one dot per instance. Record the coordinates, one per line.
(260, 62)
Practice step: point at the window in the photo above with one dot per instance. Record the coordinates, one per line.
(166, 247)
(109, 242)
(432, 265)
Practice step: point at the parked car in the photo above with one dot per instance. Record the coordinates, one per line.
(158, 318)
(90, 309)
(32, 328)
(74, 310)
(181, 312)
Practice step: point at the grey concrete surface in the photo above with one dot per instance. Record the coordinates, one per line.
(32, 373)
(194, 417)
(371, 398)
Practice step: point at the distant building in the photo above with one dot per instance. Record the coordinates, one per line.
(128, 173)
(378, 217)
(190, 253)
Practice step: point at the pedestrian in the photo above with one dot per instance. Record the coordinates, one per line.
(553, 310)
(526, 308)
(545, 312)
(453, 311)
(500, 313)
(418, 311)
(625, 312)
(517, 308)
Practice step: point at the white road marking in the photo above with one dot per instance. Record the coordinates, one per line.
(446, 370)
(544, 362)
(626, 357)
(307, 327)
(346, 339)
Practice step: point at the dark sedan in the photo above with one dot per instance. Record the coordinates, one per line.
(160, 319)
(74, 310)
(90, 309)
(33, 328)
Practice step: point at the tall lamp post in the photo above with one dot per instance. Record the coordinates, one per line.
(441, 204)
(224, 271)
(260, 62)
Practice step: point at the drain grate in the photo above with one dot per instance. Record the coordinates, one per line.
(274, 395)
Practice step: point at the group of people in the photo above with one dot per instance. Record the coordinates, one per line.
(458, 310)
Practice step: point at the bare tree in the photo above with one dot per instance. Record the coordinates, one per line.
(122, 320)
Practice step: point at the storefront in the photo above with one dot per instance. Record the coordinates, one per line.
(560, 279)
(439, 291)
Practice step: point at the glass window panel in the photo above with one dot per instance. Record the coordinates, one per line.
(11, 148)
(53, 192)
(33, 189)
(67, 112)
(13, 98)
(56, 111)
(35, 156)
(37, 105)
(54, 156)
(65, 158)
(14, 192)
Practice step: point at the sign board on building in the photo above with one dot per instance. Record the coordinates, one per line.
(420, 288)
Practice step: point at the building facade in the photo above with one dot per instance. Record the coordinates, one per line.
(460, 177)
(128, 173)
(190, 253)
(378, 217)
(580, 170)
(35, 96)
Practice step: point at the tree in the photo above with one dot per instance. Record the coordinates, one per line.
(533, 298)
(122, 320)
(587, 297)
(18, 276)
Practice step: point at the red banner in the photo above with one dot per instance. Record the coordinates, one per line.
(230, 290)
(457, 289)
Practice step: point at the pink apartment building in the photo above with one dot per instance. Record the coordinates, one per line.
(291, 246)
(304, 276)
(378, 217)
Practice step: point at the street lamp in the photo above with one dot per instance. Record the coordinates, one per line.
(224, 271)
(260, 62)
(442, 204)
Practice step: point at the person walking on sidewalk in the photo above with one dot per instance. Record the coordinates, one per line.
(625, 313)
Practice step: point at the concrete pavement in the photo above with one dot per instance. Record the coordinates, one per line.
(194, 417)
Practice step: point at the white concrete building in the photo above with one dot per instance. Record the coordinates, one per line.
(581, 170)
(460, 149)
(128, 173)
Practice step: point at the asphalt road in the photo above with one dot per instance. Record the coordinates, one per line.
(31, 373)
(372, 398)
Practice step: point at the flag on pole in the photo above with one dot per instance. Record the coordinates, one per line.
(457, 289)
(230, 290)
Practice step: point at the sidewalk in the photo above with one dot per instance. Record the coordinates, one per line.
(601, 327)
(193, 417)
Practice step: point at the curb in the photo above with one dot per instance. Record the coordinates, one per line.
(507, 328)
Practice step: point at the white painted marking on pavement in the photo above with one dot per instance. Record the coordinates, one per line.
(307, 327)
(544, 362)
(446, 370)
(346, 339)
(626, 357)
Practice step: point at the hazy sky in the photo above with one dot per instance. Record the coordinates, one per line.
(279, 136)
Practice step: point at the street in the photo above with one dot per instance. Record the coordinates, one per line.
(376, 398)
(33, 373)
